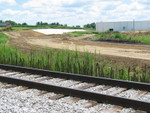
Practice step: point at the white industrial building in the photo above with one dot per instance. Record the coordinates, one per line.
(123, 26)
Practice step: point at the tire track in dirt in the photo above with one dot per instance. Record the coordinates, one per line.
(132, 53)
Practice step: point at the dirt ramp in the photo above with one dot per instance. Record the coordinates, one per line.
(29, 33)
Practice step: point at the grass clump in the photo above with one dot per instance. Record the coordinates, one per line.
(109, 35)
(143, 39)
(119, 37)
(76, 35)
(82, 33)
(3, 38)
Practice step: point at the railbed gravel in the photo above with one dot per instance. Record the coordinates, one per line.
(109, 90)
(27, 78)
(95, 88)
(53, 81)
(60, 82)
(79, 85)
(71, 84)
(145, 97)
(28, 101)
(9, 73)
(128, 93)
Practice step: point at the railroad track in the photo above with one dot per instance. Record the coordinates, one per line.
(96, 90)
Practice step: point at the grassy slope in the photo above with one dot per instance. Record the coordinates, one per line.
(142, 39)
(98, 35)
(68, 61)
(82, 33)
(3, 38)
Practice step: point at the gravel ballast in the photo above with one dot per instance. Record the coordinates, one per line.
(29, 101)
(76, 84)
(43, 102)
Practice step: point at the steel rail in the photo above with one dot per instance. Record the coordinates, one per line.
(140, 105)
(84, 78)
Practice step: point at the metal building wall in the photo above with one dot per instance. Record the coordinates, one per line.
(142, 25)
(123, 26)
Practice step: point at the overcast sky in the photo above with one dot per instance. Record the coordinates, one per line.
(74, 12)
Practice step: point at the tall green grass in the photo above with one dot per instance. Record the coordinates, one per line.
(82, 33)
(142, 39)
(71, 62)
(114, 35)
(3, 38)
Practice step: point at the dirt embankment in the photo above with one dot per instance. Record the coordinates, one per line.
(120, 53)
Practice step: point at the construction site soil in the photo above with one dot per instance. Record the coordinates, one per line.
(132, 55)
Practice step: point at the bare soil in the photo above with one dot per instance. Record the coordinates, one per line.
(128, 54)
(136, 33)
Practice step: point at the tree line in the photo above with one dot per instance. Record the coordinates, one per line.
(13, 23)
(51, 24)
(92, 25)
(41, 23)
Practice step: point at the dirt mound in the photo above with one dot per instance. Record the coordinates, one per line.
(29, 33)
(58, 35)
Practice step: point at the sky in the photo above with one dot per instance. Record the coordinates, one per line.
(74, 12)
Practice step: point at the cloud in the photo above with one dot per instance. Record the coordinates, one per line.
(75, 12)
(50, 3)
(10, 2)
(19, 16)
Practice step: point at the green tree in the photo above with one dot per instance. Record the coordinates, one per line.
(92, 25)
(1, 21)
(78, 26)
(13, 23)
(38, 23)
(24, 24)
